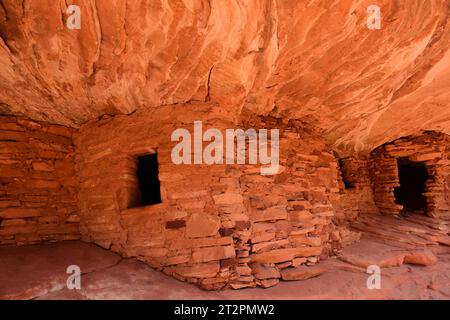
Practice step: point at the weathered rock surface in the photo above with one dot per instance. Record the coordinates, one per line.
(134, 73)
(262, 272)
(201, 225)
(422, 258)
(365, 254)
(30, 271)
(301, 273)
(106, 276)
(317, 62)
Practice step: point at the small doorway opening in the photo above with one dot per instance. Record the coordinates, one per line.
(412, 176)
(147, 174)
(348, 183)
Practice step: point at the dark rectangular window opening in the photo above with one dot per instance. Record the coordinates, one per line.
(147, 174)
(345, 176)
(410, 193)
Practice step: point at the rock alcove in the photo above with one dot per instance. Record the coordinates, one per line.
(87, 117)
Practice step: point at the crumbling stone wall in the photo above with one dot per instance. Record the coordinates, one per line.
(430, 148)
(290, 214)
(356, 195)
(37, 182)
(218, 225)
(367, 184)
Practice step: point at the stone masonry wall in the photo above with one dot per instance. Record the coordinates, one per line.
(37, 182)
(218, 225)
(290, 214)
(356, 195)
(430, 148)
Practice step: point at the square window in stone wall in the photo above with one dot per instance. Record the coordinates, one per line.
(148, 180)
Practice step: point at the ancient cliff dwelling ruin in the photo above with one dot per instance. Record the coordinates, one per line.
(171, 149)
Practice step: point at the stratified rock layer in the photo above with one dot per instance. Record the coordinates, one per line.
(310, 60)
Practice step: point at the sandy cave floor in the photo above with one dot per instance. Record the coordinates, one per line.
(38, 272)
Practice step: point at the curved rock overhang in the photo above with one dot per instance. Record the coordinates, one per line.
(316, 62)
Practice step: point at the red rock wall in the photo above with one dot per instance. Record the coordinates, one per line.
(358, 198)
(372, 181)
(217, 225)
(432, 149)
(37, 182)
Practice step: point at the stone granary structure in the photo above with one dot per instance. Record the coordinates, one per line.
(88, 117)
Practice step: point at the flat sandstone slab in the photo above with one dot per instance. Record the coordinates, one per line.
(39, 272)
(366, 253)
(30, 271)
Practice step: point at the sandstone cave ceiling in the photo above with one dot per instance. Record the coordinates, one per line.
(313, 60)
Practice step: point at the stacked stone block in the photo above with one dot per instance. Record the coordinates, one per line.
(37, 182)
(217, 224)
